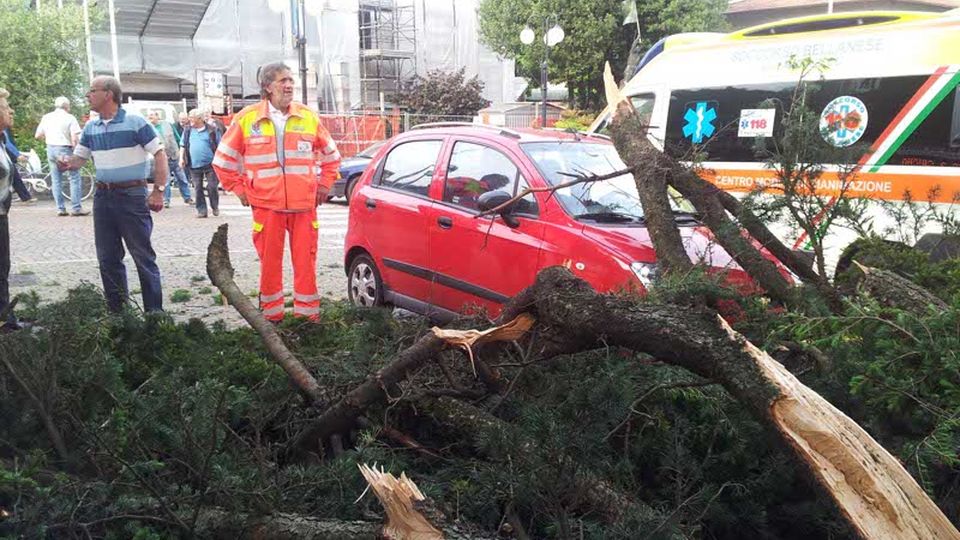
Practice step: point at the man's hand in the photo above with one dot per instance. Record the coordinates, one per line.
(243, 199)
(322, 194)
(155, 200)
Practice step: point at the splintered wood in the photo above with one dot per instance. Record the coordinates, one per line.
(877, 495)
(467, 339)
(398, 496)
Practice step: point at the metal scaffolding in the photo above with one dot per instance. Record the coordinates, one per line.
(388, 45)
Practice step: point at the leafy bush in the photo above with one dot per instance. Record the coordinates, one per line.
(444, 93)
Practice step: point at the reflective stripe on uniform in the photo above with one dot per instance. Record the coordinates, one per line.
(276, 310)
(297, 169)
(304, 310)
(269, 173)
(257, 227)
(306, 297)
(335, 156)
(224, 164)
(330, 148)
(298, 154)
(258, 160)
(224, 149)
(264, 298)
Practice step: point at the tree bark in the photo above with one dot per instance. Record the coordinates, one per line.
(705, 199)
(630, 140)
(897, 292)
(869, 486)
(220, 271)
(654, 170)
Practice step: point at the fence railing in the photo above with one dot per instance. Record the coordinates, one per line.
(355, 131)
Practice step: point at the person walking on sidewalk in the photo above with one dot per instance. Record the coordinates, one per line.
(61, 131)
(278, 144)
(171, 147)
(199, 144)
(119, 145)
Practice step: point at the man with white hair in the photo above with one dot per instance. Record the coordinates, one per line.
(61, 131)
(197, 149)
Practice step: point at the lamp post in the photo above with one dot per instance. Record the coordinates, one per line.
(551, 38)
(299, 35)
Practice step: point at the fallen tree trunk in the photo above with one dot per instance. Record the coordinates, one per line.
(220, 271)
(654, 171)
(869, 486)
(896, 292)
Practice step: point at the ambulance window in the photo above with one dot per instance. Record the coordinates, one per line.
(643, 103)
(955, 126)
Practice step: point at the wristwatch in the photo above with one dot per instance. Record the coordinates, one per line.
(160, 187)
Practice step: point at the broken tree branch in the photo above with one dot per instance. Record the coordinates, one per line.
(869, 486)
(897, 292)
(220, 271)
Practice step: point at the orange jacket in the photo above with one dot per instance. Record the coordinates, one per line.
(247, 161)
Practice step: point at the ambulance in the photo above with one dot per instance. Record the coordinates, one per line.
(891, 88)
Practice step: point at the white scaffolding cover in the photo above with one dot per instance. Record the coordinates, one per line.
(237, 36)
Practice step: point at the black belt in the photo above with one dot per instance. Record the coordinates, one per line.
(121, 185)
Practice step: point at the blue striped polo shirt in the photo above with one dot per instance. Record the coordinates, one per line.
(119, 147)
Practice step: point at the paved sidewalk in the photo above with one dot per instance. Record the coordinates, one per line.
(53, 254)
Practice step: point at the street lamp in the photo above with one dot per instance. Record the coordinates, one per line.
(551, 38)
(299, 34)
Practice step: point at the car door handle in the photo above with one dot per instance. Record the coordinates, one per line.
(371, 203)
(445, 222)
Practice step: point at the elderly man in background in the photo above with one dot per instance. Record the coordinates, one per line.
(120, 145)
(172, 148)
(199, 143)
(61, 132)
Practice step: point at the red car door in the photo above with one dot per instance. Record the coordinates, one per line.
(480, 262)
(396, 207)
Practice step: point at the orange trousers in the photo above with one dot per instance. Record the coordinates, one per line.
(269, 233)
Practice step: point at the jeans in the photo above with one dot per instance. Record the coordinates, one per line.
(180, 178)
(197, 175)
(5, 268)
(53, 152)
(121, 217)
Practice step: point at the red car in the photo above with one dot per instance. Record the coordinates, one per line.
(415, 241)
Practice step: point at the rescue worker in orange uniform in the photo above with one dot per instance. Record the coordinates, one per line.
(269, 158)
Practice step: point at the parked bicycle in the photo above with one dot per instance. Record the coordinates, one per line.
(36, 176)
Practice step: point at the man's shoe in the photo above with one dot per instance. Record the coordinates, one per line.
(216, 212)
(79, 213)
(203, 215)
(188, 201)
(62, 213)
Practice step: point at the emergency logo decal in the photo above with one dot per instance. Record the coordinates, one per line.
(255, 129)
(843, 121)
(699, 118)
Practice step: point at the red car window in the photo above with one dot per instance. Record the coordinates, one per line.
(409, 166)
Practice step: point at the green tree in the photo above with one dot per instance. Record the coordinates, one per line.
(444, 93)
(41, 57)
(595, 33)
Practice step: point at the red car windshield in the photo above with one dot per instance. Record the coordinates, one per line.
(615, 199)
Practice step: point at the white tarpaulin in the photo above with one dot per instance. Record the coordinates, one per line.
(237, 36)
